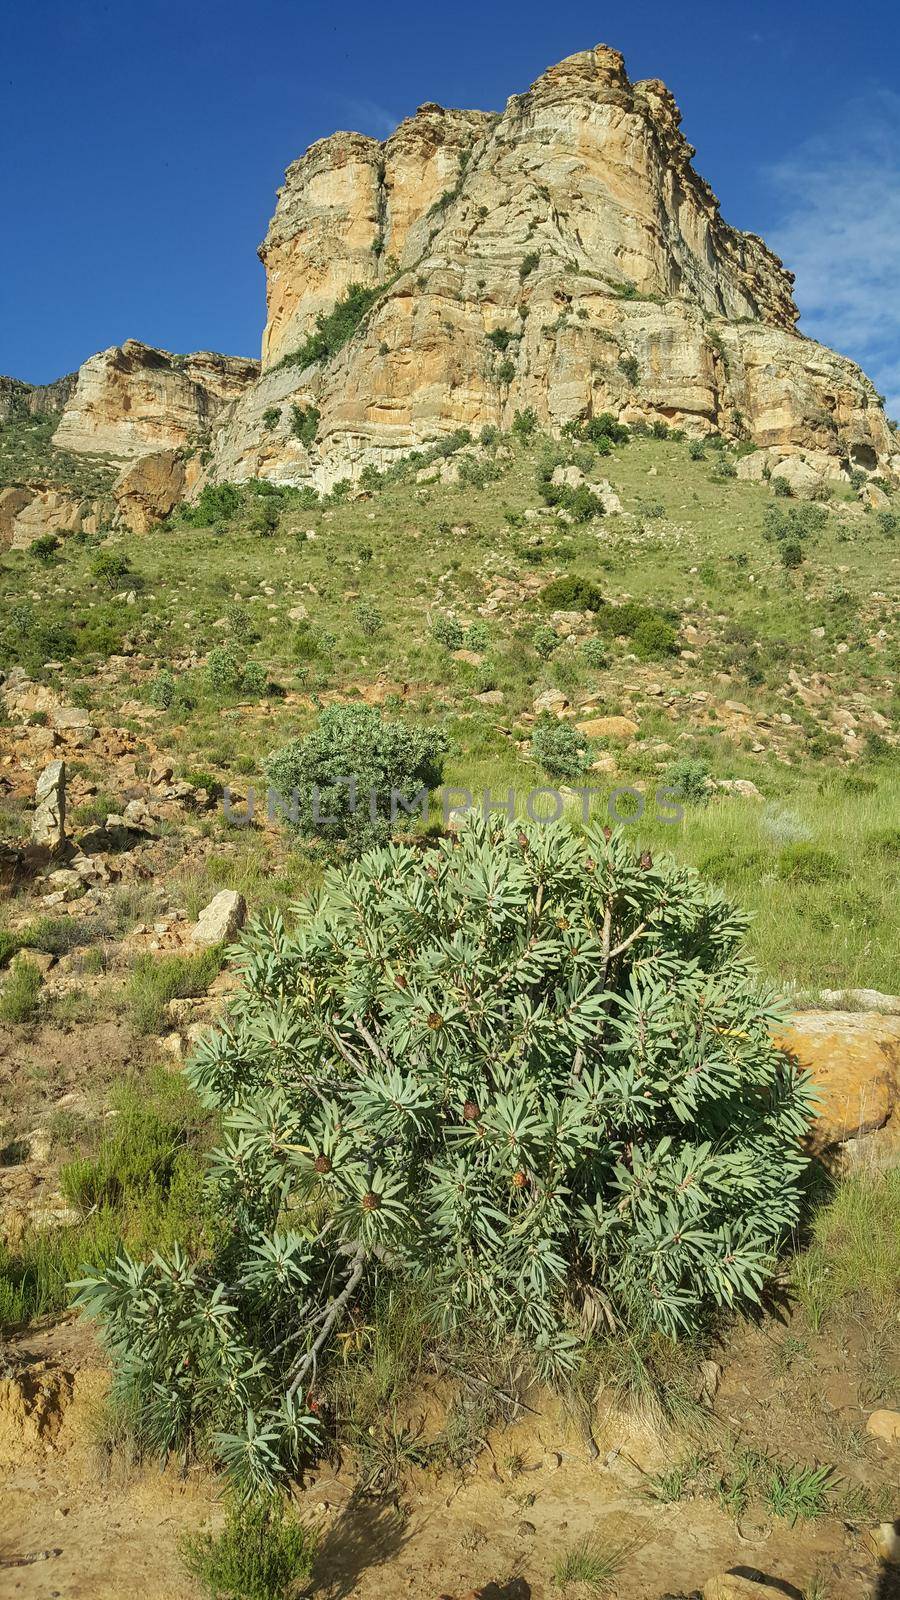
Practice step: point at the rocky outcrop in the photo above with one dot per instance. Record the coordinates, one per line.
(148, 489)
(132, 400)
(19, 399)
(565, 256)
(28, 511)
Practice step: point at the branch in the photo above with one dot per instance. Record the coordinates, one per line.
(626, 942)
(335, 1311)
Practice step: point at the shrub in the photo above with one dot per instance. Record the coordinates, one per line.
(654, 638)
(312, 643)
(167, 692)
(629, 366)
(529, 1071)
(528, 264)
(687, 780)
(263, 518)
(477, 637)
(156, 980)
(448, 631)
(216, 503)
(262, 1553)
(384, 759)
(45, 547)
(110, 567)
(524, 423)
(558, 747)
(580, 501)
(304, 424)
(21, 992)
(572, 593)
(270, 416)
(335, 327)
(544, 641)
(804, 862)
(696, 450)
(791, 553)
(368, 618)
(228, 672)
(594, 653)
(888, 524)
(506, 371)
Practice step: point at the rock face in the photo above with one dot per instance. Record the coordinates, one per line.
(132, 400)
(564, 255)
(19, 399)
(147, 489)
(48, 825)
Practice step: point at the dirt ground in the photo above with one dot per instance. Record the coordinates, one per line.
(100, 1528)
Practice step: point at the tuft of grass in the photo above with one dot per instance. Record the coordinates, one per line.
(592, 1564)
(263, 1552)
(798, 1493)
(155, 980)
(21, 995)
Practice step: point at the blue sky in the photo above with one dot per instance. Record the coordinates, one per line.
(142, 144)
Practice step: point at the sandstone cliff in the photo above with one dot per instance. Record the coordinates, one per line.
(132, 400)
(571, 230)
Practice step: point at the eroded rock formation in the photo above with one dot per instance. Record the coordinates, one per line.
(132, 400)
(573, 232)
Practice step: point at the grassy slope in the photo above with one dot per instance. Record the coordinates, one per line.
(690, 541)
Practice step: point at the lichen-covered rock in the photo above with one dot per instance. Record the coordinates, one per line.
(575, 227)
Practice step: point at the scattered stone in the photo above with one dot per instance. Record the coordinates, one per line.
(490, 697)
(220, 921)
(48, 825)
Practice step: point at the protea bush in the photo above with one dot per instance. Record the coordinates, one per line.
(529, 1069)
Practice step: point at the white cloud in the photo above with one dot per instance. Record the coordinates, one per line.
(839, 199)
(367, 116)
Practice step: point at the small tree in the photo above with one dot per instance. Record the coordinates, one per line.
(528, 1070)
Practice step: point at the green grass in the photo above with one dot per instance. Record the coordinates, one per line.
(155, 980)
(853, 1256)
(142, 1187)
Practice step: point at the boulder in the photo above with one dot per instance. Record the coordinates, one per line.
(854, 1059)
(220, 921)
(798, 473)
(608, 728)
(551, 700)
(48, 825)
(884, 1425)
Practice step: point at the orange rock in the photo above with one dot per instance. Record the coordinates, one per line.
(854, 1059)
(608, 728)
